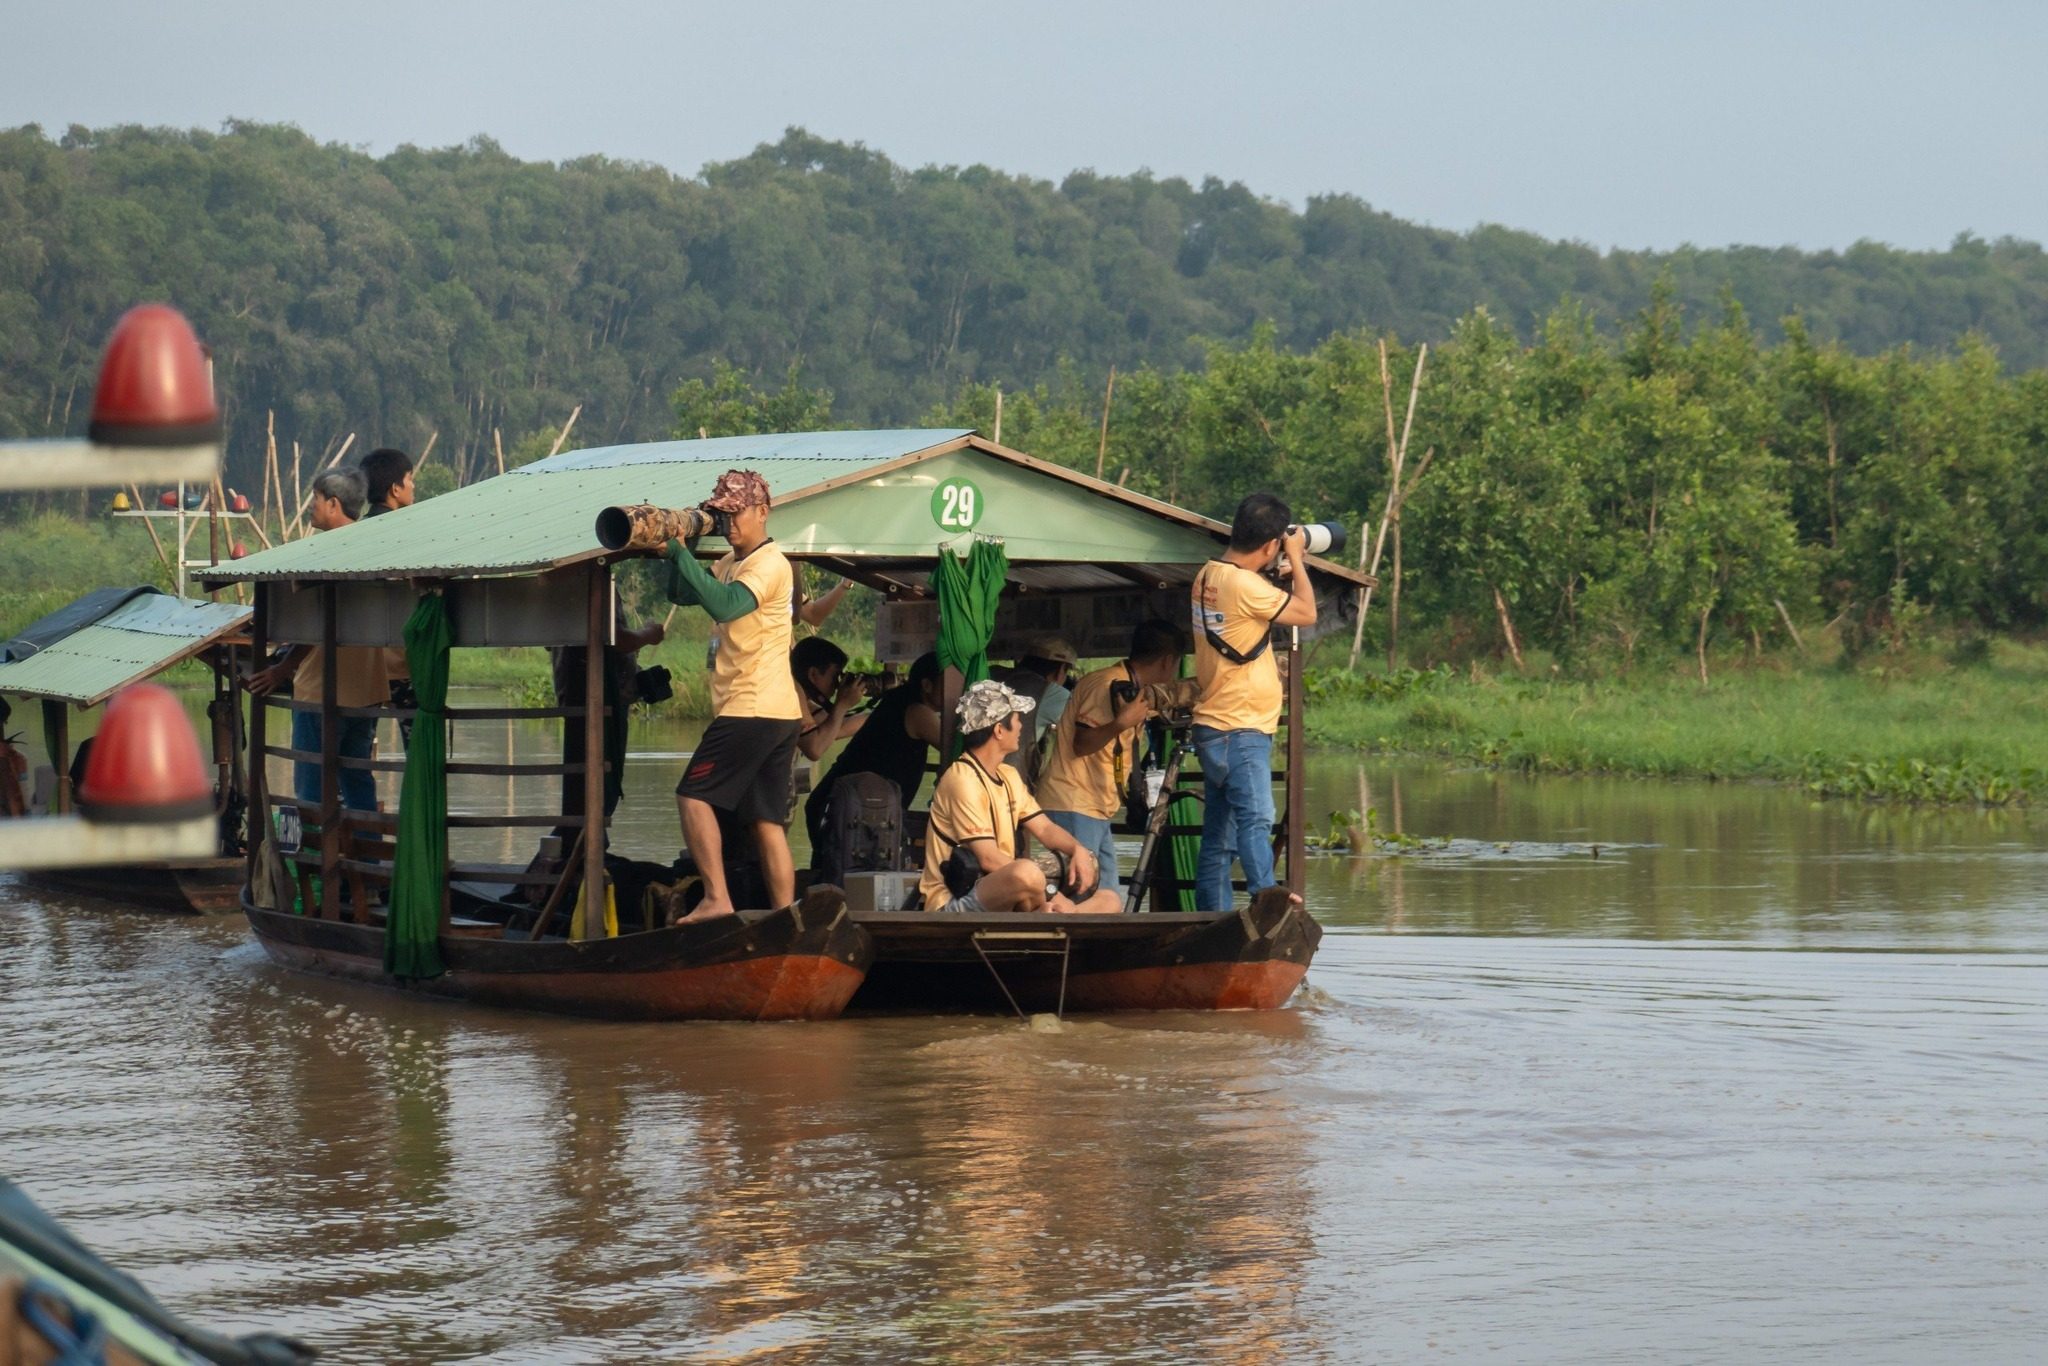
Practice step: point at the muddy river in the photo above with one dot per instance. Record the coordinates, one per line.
(1623, 1071)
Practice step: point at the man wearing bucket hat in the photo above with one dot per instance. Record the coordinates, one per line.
(741, 766)
(970, 850)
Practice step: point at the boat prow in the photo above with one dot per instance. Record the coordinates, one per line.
(1252, 958)
(803, 962)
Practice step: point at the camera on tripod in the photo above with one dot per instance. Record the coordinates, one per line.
(1178, 713)
(643, 526)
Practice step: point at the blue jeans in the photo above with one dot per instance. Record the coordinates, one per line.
(1237, 813)
(1093, 834)
(358, 785)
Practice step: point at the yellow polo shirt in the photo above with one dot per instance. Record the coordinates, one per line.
(1087, 783)
(1239, 606)
(970, 802)
(751, 676)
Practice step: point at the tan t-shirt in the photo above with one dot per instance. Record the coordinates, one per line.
(1087, 783)
(751, 675)
(359, 677)
(970, 802)
(1239, 606)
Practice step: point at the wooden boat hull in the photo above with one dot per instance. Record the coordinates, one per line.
(1252, 958)
(178, 886)
(800, 963)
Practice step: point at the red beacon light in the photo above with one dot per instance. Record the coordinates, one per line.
(145, 765)
(154, 388)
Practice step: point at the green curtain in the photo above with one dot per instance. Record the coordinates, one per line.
(419, 875)
(968, 591)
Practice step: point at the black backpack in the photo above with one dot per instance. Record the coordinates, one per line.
(863, 828)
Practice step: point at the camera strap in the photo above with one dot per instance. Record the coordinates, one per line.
(1217, 642)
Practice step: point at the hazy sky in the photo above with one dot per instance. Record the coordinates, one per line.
(1637, 125)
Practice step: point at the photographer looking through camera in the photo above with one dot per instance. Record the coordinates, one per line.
(1235, 608)
(1083, 782)
(741, 766)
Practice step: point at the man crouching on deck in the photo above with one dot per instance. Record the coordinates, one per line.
(976, 808)
(742, 764)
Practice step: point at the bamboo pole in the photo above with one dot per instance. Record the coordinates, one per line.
(563, 435)
(1102, 447)
(1507, 626)
(299, 520)
(498, 446)
(1358, 627)
(284, 525)
(432, 437)
(269, 463)
(997, 436)
(150, 526)
(1397, 452)
(1786, 617)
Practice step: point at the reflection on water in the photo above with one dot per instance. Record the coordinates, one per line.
(1587, 1114)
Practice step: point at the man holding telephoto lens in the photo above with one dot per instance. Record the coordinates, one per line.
(741, 766)
(1237, 708)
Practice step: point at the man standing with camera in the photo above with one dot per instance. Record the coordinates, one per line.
(1083, 782)
(741, 766)
(1235, 608)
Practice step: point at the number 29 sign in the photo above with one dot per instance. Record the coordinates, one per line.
(956, 505)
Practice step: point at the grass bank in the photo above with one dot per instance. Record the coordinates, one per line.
(1919, 728)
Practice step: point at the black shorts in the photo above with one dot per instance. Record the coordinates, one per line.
(742, 766)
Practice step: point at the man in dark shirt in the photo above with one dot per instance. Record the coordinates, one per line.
(896, 742)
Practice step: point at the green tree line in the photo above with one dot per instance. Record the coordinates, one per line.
(1602, 496)
(465, 293)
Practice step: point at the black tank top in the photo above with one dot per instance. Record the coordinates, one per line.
(883, 746)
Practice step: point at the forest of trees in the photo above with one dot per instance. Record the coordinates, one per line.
(1692, 450)
(461, 290)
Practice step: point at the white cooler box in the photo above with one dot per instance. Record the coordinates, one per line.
(893, 891)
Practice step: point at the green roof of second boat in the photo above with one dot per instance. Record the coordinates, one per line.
(871, 495)
(138, 639)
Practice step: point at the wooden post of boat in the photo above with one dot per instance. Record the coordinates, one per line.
(1297, 769)
(259, 734)
(596, 636)
(60, 760)
(330, 759)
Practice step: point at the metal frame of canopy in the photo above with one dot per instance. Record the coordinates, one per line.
(518, 556)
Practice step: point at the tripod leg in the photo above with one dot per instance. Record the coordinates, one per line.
(1155, 826)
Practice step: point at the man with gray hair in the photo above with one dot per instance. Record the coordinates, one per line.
(359, 679)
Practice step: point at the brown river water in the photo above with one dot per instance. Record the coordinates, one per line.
(1762, 1080)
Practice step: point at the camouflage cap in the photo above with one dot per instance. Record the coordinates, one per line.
(988, 702)
(737, 489)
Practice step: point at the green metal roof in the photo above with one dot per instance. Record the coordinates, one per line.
(848, 499)
(136, 640)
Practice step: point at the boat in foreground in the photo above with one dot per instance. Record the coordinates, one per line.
(1078, 556)
(1252, 958)
(803, 962)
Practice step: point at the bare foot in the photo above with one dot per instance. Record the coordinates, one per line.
(707, 909)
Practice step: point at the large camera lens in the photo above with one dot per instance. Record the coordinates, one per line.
(1321, 538)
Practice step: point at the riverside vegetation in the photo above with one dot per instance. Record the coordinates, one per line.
(1661, 541)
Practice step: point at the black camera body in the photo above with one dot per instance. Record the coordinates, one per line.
(710, 521)
(1122, 693)
(654, 684)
